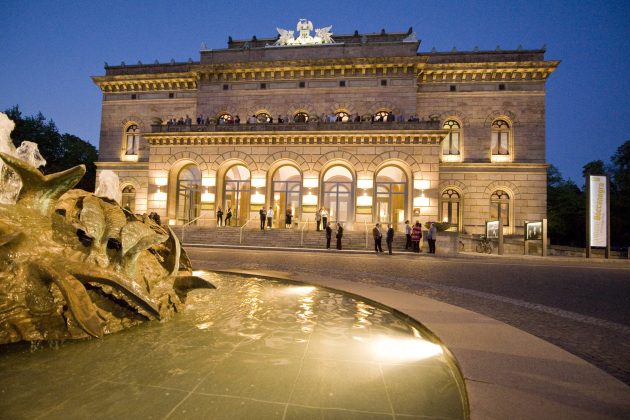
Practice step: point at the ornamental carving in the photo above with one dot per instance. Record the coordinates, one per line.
(304, 27)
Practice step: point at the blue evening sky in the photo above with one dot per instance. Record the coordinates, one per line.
(51, 48)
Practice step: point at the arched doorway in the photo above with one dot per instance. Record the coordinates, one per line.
(188, 203)
(286, 191)
(338, 199)
(391, 195)
(237, 193)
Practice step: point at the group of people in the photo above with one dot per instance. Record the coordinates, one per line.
(266, 218)
(299, 118)
(228, 217)
(414, 237)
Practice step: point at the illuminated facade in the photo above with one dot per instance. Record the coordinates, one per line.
(464, 132)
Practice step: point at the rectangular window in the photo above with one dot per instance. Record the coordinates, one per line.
(342, 83)
(171, 95)
(499, 144)
(302, 84)
(263, 85)
(450, 145)
(453, 88)
(134, 96)
(226, 87)
(501, 86)
(384, 82)
(505, 212)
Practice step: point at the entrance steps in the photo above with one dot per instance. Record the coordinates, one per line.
(278, 238)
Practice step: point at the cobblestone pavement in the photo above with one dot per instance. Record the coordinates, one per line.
(582, 308)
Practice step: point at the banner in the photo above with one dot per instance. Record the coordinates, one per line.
(598, 210)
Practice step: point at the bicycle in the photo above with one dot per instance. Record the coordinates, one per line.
(484, 245)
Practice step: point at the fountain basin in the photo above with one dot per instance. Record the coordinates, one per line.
(252, 348)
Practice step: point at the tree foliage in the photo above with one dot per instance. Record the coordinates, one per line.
(61, 151)
(566, 202)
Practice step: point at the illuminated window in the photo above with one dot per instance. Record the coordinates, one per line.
(188, 204)
(132, 140)
(381, 116)
(450, 144)
(342, 116)
(225, 119)
(449, 209)
(500, 144)
(300, 117)
(500, 202)
(263, 117)
(129, 198)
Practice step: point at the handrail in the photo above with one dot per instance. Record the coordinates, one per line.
(240, 236)
(305, 224)
(188, 224)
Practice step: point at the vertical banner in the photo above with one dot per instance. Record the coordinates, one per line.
(598, 211)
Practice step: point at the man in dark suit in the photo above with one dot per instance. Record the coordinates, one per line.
(328, 236)
(263, 218)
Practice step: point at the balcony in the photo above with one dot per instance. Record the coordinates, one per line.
(312, 126)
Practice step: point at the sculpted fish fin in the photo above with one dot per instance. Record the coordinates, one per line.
(41, 192)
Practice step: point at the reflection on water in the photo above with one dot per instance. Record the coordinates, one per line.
(251, 348)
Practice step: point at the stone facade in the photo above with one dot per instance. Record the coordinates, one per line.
(488, 106)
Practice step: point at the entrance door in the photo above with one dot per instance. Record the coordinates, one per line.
(237, 194)
(287, 184)
(338, 197)
(391, 195)
(188, 204)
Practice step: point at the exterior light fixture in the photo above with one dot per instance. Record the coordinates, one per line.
(209, 182)
(364, 200)
(421, 201)
(421, 184)
(365, 184)
(258, 198)
(161, 181)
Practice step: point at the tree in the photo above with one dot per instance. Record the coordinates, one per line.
(61, 151)
(620, 199)
(565, 210)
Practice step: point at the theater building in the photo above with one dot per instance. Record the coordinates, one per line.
(364, 125)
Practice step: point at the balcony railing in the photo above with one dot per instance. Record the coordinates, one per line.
(311, 126)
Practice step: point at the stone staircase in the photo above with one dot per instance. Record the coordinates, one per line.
(278, 238)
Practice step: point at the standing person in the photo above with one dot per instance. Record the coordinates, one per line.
(219, 217)
(263, 217)
(228, 216)
(431, 238)
(328, 230)
(390, 238)
(287, 219)
(324, 217)
(269, 217)
(318, 218)
(339, 235)
(408, 235)
(416, 236)
(378, 238)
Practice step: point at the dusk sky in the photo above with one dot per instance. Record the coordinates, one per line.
(51, 48)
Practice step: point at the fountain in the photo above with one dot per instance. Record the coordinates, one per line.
(73, 264)
(108, 186)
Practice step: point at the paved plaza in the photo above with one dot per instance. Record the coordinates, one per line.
(579, 306)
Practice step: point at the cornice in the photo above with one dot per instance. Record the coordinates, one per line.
(128, 166)
(368, 138)
(486, 71)
(147, 82)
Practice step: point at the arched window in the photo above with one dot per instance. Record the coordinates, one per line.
(500, 203)
(129, 198)
(287, 184)
(237, 193)
(391, 195)
(263, 118)
(450, 207)
(342, 116)
(132, 144)
(381, 115)
(188, 203)
(300, 117)
(500, 144)
(338, 196)
(225, 118)
(450, 144)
